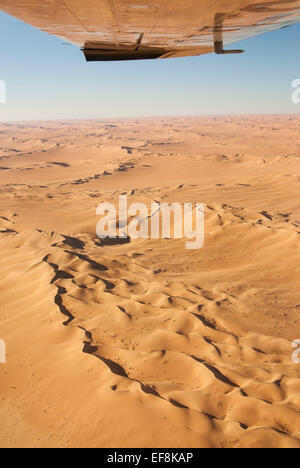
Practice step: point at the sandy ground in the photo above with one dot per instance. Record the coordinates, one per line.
(147, 344)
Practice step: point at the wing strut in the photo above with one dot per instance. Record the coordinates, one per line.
(218, 37)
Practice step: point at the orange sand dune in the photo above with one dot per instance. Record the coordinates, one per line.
(148, 344)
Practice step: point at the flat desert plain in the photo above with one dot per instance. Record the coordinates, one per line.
(145, 343)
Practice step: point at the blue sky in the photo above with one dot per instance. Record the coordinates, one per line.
(47, 79)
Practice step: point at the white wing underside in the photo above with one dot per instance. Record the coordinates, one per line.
(138, 29)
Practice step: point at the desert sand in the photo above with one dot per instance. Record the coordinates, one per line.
(146, 344)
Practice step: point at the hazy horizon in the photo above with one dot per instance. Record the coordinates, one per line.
(153, 117)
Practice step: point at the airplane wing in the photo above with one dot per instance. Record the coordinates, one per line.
(147, 29)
